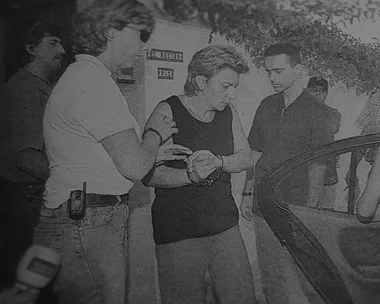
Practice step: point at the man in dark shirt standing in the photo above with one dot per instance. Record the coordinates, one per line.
(286, 124)
(23, 162)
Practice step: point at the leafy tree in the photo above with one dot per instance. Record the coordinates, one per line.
(310, 24)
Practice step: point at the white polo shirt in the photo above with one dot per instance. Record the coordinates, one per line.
(85, 107)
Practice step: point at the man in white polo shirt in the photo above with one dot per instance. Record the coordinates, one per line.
(92, 137)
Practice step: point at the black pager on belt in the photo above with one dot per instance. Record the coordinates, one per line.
(77, 204)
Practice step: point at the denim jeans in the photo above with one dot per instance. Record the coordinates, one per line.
(182, 269)
(93, 253)
(283, 282)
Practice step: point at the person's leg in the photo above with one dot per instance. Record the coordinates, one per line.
(104, 242)
(93, 261)
(328, 197)
(271, 258)
(230, 268)
(181, 270)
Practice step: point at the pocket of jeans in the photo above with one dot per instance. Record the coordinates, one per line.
(98, 217)
(49, 233)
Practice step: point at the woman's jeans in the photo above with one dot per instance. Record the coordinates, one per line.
(93, 253)
(182, 269)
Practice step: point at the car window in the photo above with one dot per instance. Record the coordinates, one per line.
(338, 254)
(339, 190)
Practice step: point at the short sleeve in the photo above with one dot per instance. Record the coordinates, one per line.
(27, 110)
(102, 110)
(254, 138)
(322, 133)
(336, 119)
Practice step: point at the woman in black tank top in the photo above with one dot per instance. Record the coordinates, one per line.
(195, 219)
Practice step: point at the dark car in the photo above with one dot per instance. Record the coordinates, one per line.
(338, 254)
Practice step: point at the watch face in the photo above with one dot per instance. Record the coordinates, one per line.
(42, 267)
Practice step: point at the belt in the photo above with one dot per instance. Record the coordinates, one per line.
(100, 200)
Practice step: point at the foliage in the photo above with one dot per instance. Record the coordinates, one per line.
(311, 24)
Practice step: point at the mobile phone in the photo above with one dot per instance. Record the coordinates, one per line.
(77, 204)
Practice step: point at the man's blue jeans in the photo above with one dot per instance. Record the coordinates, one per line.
(93, 253)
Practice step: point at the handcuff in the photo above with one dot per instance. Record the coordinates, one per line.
(213, 176)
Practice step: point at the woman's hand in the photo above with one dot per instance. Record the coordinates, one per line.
(172, 152)
(201, 164)
(204, 155)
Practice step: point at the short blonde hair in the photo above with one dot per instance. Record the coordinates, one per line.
(211, 60)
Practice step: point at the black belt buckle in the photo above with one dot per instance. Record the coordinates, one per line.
(77, 204)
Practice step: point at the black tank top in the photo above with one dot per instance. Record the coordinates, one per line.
(194, 211)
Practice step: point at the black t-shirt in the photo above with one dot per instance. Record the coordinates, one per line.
(194, 211)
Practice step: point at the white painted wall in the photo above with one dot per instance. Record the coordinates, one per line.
(170, 36)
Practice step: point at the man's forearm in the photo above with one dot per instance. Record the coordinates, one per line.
(34, 163)
(249, 180)
(316, 184)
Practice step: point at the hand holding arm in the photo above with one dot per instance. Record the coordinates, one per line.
(170, 151)
(201, 164)
(132, 158)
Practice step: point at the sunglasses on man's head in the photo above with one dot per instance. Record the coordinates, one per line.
(144, 34)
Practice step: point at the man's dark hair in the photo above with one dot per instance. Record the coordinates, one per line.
(36, 33)
(30, 32)
(284, 48)
(318, 84)
(41, 29)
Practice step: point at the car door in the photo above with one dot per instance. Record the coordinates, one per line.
(339, 255)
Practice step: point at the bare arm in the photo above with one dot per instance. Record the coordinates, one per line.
(166, 177)
(372, 189)
(369, 201)
(316, 183)
(34, 163)
(247, 195)
(163, 176)
(242, 159)
(322, 134)
(132, 158)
